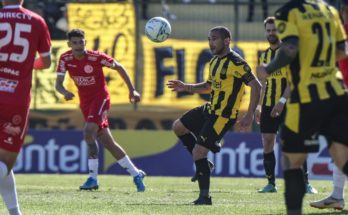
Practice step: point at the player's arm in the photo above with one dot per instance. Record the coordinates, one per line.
(286, 54)
(61, 89)
(279, 107)
(179, 86)
(134, 96)
(255, 85)
(259, 105)
(43, 61)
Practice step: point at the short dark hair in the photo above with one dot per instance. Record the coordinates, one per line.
(269, 20)
(75, 33)
(223, 31)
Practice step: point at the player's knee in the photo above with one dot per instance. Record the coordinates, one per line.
(268, 142)
(199, 152)
(178, 128)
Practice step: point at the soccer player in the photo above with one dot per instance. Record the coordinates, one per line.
(202, 128)
(85, 67)
(336, 198)
(313, 39)
(269, 113)
(22, 34)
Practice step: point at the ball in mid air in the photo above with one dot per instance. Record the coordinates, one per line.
(158, 29)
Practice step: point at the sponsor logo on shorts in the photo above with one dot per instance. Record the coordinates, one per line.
(12, 130)
(9, 141)
(7, 85)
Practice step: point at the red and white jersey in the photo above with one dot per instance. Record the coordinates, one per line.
(87, 73)
(22, 34)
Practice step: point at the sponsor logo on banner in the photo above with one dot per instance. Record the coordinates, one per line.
(53, 152)
(240, 156)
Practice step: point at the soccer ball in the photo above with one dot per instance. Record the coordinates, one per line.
(158, 29)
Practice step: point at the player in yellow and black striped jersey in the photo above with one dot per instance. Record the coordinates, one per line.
(202, 128)
(313, 39)
(269, 113)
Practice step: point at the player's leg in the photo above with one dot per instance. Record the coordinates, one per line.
(339, 181)
(200, 154)
(269, 128)
(89, 134)
(7, 181)
(213, 130)
(187, 127)
(294, 183)
(187, 138)
(309, 188)
(269, 162)
(13, 121)
(105, 138)
(336, 199)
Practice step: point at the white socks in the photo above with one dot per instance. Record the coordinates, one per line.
(339, 180)
(93, 168)
(126, 163)
(9, 194)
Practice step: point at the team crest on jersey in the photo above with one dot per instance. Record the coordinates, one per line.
(247, 68)
(16, 119)
(281, 27)
(88, 69)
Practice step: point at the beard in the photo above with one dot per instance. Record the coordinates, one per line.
(217, 51)
(273, 39)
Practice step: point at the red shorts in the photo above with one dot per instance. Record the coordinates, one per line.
(13, 126)
(97, 111)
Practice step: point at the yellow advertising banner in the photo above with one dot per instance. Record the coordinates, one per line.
(109, 28)
(188, 61)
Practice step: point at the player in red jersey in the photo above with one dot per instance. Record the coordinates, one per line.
(85, 67)
(22, 34)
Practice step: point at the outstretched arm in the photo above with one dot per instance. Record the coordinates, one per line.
(179, 86)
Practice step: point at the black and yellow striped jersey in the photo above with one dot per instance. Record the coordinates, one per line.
(319, 29)
(227, 77)
(276, 82)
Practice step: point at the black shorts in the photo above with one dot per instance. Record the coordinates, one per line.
(208, 128)
(270, 124)
(304, 122)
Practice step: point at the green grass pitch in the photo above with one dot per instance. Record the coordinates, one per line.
(59, 195)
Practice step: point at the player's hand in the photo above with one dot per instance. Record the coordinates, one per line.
(245, 123)
(257, 116)
(277, 110)
(176, 85)
(68, 96)
(134, 96)
(261, 72)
